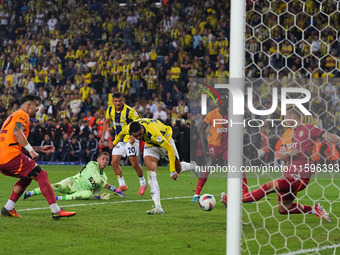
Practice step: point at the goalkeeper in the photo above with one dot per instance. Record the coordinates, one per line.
(84, 185)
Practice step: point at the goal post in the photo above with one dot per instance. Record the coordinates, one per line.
(235, 140)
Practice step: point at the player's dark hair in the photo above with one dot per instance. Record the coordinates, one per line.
(104, 153)
(29, 98)
(117, 95)
(135, 127)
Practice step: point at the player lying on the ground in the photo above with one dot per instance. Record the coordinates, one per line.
(216, 145)
(296, 149)
(84, 185)
(158, 143)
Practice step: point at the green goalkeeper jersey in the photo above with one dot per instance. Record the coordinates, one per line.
(90, 178)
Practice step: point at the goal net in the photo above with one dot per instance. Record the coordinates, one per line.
(289, 44)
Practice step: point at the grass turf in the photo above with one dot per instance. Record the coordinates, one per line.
(111, 227)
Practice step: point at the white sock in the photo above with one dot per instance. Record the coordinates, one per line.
(188, 166)
(313, 211)
(10, 205)
(142, 181)
(154, 188)
(121, 181)
(31, 193)
(54, 208)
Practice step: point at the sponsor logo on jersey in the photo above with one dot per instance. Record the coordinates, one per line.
(222, 130)
(292, 145)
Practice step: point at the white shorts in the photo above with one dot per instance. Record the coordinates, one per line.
(159, 152)
(126, 149)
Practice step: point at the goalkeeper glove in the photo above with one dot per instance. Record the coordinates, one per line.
(105, 196)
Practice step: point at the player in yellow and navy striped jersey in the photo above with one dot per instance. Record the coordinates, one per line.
(122, 115)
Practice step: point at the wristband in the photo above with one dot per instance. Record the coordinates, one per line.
(29, 148)
(173, 173)
(112, 188)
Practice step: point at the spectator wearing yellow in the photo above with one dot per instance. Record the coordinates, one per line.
(174, 32)
(150, 80)
(175, 72)
(41, 115)
(88, 75)
(125, 69)
(123, 85)
(26, 67)
(10, 78)
(213, 47)
(81, 52)
(40, 76)
(70, 55)
(115, 73)
(85, 91)
(221, 74)
(153, 54)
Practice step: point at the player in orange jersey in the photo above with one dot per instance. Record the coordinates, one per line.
(217, 144)
(13, 137)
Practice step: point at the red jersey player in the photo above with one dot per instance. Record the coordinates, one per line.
(13, 136)
(297, 147)
(217, 143)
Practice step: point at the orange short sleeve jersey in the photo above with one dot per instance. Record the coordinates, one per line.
(287, 139)
(9, 146)
(217, 130)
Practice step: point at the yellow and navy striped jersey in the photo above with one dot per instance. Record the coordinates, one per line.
(121, 118)
(155, 134)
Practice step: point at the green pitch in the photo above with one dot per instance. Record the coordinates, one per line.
(121, 226)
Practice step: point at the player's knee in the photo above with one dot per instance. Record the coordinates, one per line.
(114, 162)
(134, 164)
(282, 210)
(86, 194)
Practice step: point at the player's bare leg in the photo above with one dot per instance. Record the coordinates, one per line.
(151, 165)
(61, 187)
(288, 207)
(18, 190)
(118, 172)
(201, 181)
(255, 195)
(139, 171)
(41, 177)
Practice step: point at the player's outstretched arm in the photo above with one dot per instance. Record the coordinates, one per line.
(121, 135)
(285, 155)
(21, 138)
(44, 149)
(105, 128)
(203, 137)
(331, 137)
(171, 153)
(114, 190)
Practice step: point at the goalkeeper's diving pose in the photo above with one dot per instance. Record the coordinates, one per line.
(84, 185)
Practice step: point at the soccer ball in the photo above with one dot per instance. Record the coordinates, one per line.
(207, 202)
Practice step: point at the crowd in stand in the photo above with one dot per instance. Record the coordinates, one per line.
(74, 54)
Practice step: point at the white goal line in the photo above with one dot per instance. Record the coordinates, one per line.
(322, 248)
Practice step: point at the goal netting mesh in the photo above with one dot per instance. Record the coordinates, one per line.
(289, 44)
(293, 44)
